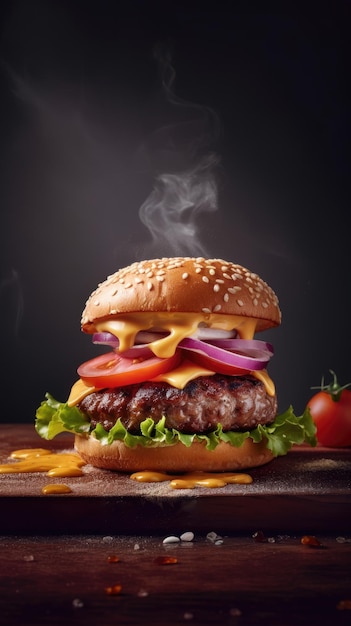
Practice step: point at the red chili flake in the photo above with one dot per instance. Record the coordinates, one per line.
(310, 540)
(259, 536)
(113, 559)
(114, 590)
(166, 560)
(344, 605)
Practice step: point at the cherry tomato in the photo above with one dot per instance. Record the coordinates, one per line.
(215, 365)
(331, 412)
(113, 370)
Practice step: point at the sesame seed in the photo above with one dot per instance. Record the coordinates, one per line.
(206, 310)
(220, 281)
(185, 275)
(240, 302)
(226, 276)
(234, 289)
(217, 308)
(198, 270)
(212, 271)
(150, 286)
(226, 297)
(205, 279)
(255, 301)
(216, 287)
(160, 279)
(265, 305)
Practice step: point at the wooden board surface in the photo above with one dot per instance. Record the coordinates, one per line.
(61, 579)
(309, 490)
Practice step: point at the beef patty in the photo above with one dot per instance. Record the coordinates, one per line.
(237, 403)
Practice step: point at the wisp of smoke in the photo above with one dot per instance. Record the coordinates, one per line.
(180, 195)
(171, 212)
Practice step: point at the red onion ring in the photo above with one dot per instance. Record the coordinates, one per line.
(105, 339)
(235, 359)
(251, 354)
(246, 346)
(108, 339)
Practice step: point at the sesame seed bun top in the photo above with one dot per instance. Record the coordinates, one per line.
(183, 284)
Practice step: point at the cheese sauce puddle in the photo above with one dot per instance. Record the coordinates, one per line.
(31, 460)
(190, 480)
(68, 465)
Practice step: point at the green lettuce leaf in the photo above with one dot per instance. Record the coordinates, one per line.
(53, 417)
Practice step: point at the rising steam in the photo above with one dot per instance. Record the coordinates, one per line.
(171, 212)
(188, 188)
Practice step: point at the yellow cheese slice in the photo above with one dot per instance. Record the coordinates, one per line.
(182, 374)
(265, 378)
(178, 378)
(79, 391)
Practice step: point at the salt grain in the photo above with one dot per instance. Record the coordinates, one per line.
(235, 612)
(171, 539)
(188, 616)
(216, 539)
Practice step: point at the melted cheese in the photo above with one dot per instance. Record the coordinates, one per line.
(179, 377)
(79, 391)
(265, 378)
(190, 480)
(184, 373)
(42, 460)
(179, 326)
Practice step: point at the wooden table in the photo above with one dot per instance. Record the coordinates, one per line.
(50, 575)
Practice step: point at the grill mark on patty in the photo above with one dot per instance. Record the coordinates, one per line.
(237, 403)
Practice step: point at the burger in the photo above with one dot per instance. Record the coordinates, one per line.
(181, 383)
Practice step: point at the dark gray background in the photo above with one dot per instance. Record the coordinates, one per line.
(86, 125)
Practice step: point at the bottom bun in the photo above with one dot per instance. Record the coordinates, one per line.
(174, 458)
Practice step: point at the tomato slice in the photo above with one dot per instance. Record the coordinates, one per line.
(215, 365)
(113, 370)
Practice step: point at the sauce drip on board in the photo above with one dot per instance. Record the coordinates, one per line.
(56, 489)
(190, 480)
(64, 465)
(69, 465)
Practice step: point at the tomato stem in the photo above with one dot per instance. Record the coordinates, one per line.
(334, 389)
